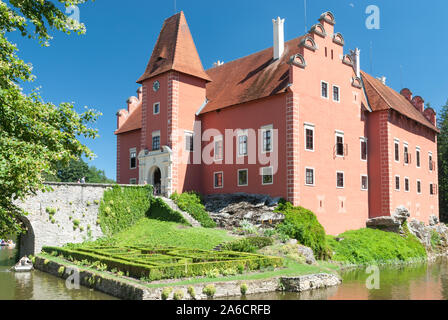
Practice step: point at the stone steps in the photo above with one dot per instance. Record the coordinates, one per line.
(186, 215)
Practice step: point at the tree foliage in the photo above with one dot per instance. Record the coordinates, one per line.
(34, 135)
(443, 163)
(75, 170)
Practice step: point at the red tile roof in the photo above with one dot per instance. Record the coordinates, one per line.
(175, 50)
(252, 77)
(133, 121)
(381, 97)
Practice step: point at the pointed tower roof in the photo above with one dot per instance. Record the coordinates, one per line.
(175, 50)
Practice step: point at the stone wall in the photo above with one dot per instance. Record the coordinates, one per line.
(72, 202)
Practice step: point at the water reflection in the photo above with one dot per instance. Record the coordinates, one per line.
(37, 285)
(411, 282)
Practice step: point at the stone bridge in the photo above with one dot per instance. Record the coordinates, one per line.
(70, 204)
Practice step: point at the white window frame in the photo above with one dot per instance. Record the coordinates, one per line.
(339, 93)
(214, 177)
(406, 145)
(397, 141)
(215, 154)
(153, 135)
(188, 134)
(328, 89)
(154, 108)
(361, 140)
(265, 128)
(418, 159)
(309, 126)
(416, 186)
(343, 180)
(133, 150)
(339, 134)
(432, 160)
(243, 133)
(238, 178)
(409, 184)
(367, 177)
(262, 174)
(314, 177)
(395, 183)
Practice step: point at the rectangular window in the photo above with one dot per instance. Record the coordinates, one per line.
(156, 108)
(219, 148)
(133, 181)
(406, 154)
(419, 187)
(155, 142)
(242, 145)
(309, 138)
(431, 163)
(431, 189)
(267, 176)
(339, 144)
(324, 91)
(243, 177)
(397, 183)
(309, 173)
(406, 185)
(267, 138)
(340, 179)
(336, 94)
(364, 182)
(417, 157)
(364, 149)
(397, 151)
(133, 158)
(218, 180)
(189, 146)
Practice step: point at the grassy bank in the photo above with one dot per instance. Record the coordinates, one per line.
(366, 246)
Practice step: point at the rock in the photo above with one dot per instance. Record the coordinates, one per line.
(291, 241)
(401, 214)
(385, 224)
(433, 220)
(229, 210)
(314, 281)
(307, 253)
(422, 232)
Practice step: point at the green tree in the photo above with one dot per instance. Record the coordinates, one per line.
(34, 134)
(443, 162)
(75, 170)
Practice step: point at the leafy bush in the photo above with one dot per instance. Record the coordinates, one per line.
(191, 202)
(178, 295)
(302, 224)
(163, 212)
(243, 289)
(435, 239)
(166, 293)
(191, 292)
(209, 290)
(249, 244)
(366, 246)
(121, 207)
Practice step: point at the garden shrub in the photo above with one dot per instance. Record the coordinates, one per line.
(243, 289)
(191, 203)
(121, 207)
(163, 212)
(209, 290)
(178, 295)
(249, 244)
(302, 224)
(435, 239)
(365, 246)
(166, 293)
(191, 292)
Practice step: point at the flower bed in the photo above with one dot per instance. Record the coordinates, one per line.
(165, 263)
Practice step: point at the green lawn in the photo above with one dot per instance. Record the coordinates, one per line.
(160, 233)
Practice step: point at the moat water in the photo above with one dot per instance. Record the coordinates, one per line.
(416, 281)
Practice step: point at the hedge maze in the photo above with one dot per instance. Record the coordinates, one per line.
(165, 263)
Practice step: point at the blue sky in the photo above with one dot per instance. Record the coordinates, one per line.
(99, 69)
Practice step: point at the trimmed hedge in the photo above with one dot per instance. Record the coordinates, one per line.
(302, 224)
(121, 207)
(191, 202)
(249, 244)
(182, 268)
(163, 212)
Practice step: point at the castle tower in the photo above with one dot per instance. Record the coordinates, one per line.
(173, 90)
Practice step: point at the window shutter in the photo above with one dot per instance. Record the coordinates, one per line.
(346, 150)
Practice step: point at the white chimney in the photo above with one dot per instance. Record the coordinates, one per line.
(218, 63)
(382, 79)
(279, 37)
